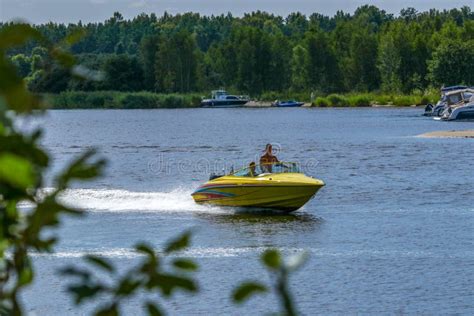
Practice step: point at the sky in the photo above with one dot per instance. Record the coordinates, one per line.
(41, 11)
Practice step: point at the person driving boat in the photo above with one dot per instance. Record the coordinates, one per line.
(252, 172)
(268, 159)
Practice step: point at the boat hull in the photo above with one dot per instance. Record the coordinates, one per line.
(465, 112)
(223, 103)
(288, 105)
(268, 192)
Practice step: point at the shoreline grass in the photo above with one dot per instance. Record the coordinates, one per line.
(120, 100)
(360, 99)
(375, 99)
(150, 100)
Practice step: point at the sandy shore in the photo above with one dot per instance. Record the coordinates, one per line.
(449, 134)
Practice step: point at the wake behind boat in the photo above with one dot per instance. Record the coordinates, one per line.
(280, 186)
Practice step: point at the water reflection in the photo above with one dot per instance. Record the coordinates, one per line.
(266, 222)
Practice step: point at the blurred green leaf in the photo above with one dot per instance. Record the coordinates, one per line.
(74, 37)
(18, 34)
(145, 249)
(108, 311)
(272, 259)
(24, 147)
(13, 89)
(85, 291)
(127, 286)
(63, 58)
(185, 264)
(101, 263)
(22, 168)
(245, 290)
(153, 309)
(86, 275)
(81, 169)
(167, 283)
(16, 171)
(179, 243)
(26, 275)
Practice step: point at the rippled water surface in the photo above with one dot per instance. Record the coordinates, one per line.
(392, 231)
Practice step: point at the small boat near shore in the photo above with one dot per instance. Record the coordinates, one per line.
(287, 104)
(459, 105)
(281, 186)
(438, 109)
(220, 99)
(463, 110)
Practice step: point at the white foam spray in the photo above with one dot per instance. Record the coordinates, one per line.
(197, 252)
(115, 200)
(102, 200)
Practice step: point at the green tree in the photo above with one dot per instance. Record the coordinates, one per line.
(246, 77)
(23, 64)
(389, 64)
(186, 52)
(54, 79)
(175, 65)
(222, 60)
(322, 67)
(279, 71)
(363, 75)
(122, 73)
(408, 57)
(296, 25)
(453, 63)
(148, 50)
(299, 63)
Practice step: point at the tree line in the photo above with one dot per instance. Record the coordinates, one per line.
(369, 50)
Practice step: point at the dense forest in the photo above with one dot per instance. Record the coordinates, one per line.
(259, 52)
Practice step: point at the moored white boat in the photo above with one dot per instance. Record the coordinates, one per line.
(440, 106)
(220, 99)
(461, 112)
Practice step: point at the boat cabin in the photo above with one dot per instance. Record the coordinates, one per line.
(457, 97)
(219, 94)
(452, 88)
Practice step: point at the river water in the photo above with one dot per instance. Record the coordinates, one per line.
(391, 232)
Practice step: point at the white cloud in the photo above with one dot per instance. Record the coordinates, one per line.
(138, 4)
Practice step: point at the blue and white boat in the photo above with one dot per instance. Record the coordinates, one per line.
(438, 108)
(462, 109)
(220, 99)
(287, 104)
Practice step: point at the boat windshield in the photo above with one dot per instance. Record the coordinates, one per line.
(454, 98)
(279, 167)
(218, 94)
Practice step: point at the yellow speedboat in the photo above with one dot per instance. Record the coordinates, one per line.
(279, 186)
